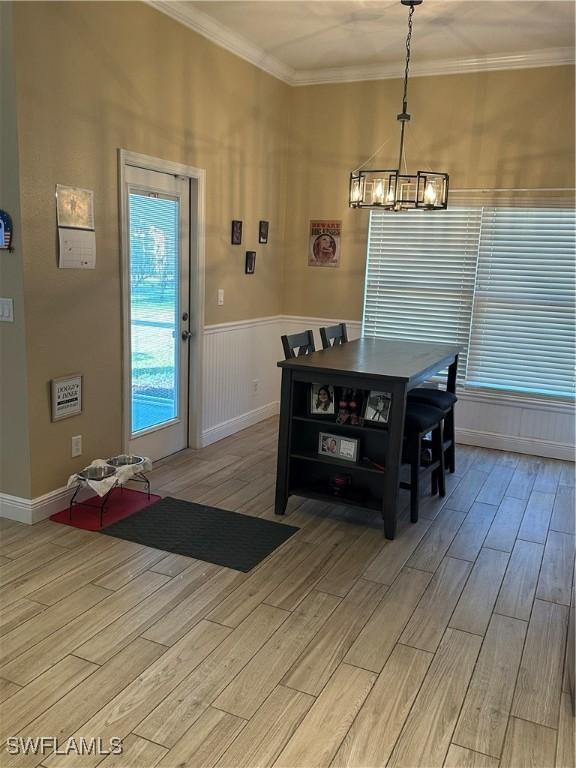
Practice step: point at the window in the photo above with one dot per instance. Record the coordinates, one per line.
(499, 281)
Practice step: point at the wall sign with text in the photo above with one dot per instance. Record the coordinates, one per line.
(66, 397)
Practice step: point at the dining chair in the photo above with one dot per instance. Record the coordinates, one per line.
(303, 342)
(333, 335)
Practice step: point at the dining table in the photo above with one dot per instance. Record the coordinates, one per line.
(369, 476)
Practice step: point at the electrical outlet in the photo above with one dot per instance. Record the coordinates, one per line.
(76, 446)
(255, 385)
(220, 297)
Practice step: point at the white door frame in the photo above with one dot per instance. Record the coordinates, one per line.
(197, 277)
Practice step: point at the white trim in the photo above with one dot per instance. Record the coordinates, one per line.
(548, 57)
(516, 400)
(230, 427)
(31, 511)
(197, 279)
(533, 446)
(237, 325)
(226, 38)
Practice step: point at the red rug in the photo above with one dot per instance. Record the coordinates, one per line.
(121, 504)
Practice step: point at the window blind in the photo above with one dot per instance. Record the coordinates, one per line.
(420, 276)
(499, 280)
(523, 331)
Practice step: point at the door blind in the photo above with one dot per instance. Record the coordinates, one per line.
(420, 276)
(522, 336)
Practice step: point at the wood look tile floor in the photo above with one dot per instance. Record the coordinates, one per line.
(445, 647)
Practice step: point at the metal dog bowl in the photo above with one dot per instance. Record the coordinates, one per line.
(97, 473)
(124, 460)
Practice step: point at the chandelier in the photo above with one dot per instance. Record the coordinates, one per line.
(393, 190)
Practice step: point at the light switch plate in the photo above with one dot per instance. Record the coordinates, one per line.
(7, 310)
(220, 296)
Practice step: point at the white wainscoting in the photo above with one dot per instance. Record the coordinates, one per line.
(236, 354)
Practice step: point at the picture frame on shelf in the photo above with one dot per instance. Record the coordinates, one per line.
(338, 447)
(377, 408)
(322, 400)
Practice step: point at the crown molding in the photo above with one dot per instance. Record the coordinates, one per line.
(231, 41)
(224, 37)
(549, 57)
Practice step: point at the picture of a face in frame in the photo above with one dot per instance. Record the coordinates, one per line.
(322, 400)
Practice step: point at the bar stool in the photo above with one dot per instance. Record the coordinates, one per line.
(444, 401)
(420, 419)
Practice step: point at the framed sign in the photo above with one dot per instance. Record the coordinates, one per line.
(66, 396)
(5, 231)
(324, 245)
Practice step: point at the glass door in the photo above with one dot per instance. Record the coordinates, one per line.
(157, 311)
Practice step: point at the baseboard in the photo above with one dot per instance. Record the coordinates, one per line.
(31, 511)
(532, 446)
(227, 428)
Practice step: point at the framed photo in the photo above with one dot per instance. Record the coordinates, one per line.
(263, 232)
(338, 447)
(377, 407)
(236, 238)
(66, 396)
(322, 400)
(250, 266)
(74, 207)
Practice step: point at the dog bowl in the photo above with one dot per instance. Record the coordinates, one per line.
(124, 460)
(97, 473)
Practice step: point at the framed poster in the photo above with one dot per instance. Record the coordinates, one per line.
(324, 244)
(74, 207)
(66, 396)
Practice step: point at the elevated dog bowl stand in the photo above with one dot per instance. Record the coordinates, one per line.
(139, 477)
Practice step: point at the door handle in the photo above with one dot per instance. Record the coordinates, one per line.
(186, 335)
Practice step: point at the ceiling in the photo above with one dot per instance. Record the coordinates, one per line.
(328, 41)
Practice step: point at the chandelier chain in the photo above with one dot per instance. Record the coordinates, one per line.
(408, 41)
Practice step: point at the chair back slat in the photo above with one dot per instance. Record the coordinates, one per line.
(333, 335)
(302, 342)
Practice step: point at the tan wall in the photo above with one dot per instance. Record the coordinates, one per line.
(14, 442)
(492, 129)
(93, 77)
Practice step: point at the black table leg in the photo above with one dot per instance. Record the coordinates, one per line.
(283, 465)
(393, 459)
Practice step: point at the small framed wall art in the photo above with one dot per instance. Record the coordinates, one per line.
(250, 266)
(236, 238)
(263, 232)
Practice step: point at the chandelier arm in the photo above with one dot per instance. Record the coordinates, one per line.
(371, 156)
